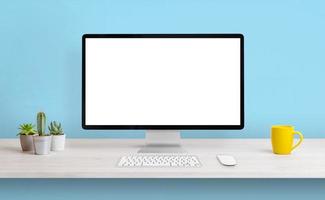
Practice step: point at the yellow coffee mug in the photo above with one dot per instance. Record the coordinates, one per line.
(282, 139)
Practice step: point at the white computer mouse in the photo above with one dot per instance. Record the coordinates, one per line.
(227, 160)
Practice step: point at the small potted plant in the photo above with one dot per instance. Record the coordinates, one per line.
(58, 137)
(42, 141)
(26, 136)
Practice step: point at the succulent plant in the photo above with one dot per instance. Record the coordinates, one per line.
(55, 128)
(41, 123)
(27, 129)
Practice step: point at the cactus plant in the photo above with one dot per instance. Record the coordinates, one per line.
(55, 128)
(58, 137)
(41, 123)
(27, 129)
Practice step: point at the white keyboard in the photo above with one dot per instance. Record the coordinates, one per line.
(159, 160)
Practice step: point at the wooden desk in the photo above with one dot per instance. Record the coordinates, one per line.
(97, 158)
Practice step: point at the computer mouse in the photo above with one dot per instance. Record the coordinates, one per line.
(227, 160)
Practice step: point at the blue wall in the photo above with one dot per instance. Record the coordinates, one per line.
(154, 189)
(40, 60)
(41, 56)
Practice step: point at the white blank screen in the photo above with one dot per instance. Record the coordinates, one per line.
(162, 81)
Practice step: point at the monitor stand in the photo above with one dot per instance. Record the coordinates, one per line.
(162, 141)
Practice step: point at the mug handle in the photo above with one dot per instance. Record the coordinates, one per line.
(301, 139)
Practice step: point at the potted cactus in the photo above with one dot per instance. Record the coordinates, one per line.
(26, 136)
(42, 141)
(58, 137)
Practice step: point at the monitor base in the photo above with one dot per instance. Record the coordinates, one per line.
(162, 149)
(162, 141)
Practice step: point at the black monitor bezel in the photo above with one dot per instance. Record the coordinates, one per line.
(163, 127)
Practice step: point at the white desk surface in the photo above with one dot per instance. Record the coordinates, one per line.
(97, 158)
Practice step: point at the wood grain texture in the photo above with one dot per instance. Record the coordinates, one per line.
(97, 158)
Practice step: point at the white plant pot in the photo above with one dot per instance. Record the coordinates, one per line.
(58, 142)
(42, 144)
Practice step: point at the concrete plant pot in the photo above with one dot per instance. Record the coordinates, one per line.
(42, 144)
(58, 142)
(26, 142)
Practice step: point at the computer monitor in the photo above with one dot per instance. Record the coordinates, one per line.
(162, 83)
